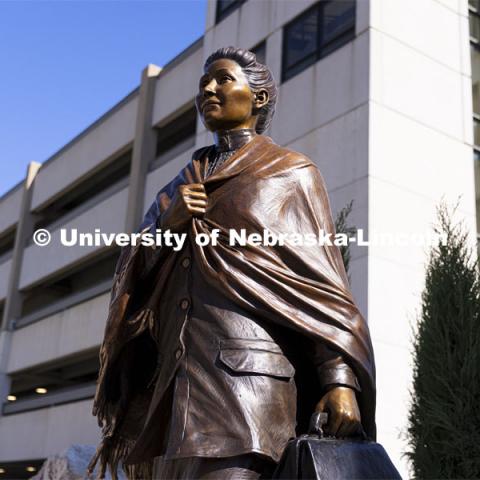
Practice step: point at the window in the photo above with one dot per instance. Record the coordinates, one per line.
(92, 278)
(474, 16)
(7, 242)
(476, 131)
(474, 10)
(476, 169)
(18, 470)
(226, 7)
(89, 192)
(260, 50)
(83, 369)
(475, 55)
(337, 24)
(316, 33)
(475, 26)
(63, 382)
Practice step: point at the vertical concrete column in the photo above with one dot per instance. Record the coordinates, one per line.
(420, 154)
(203, 136)
(144, 145)
(13, 302)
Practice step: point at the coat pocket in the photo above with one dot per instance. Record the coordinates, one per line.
(260, 357)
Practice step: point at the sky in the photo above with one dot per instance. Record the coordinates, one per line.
(63, 63)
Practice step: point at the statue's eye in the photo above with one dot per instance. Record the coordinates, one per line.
(225, 78)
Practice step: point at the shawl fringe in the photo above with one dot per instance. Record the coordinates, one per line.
(117, 419)
(111, 453)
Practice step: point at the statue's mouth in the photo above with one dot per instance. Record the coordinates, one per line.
(209, 104)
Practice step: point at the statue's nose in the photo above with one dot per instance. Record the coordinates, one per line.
(209, 89)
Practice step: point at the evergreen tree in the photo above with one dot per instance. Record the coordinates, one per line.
(444, 419)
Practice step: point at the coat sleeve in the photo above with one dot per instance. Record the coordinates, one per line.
(309, 205)
(332, 369)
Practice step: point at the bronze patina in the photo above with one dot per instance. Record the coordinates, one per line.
(214, 356)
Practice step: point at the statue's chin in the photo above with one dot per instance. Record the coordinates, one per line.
(212, 124)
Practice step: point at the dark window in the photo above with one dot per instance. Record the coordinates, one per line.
(20, 469)
(65, 381)
(300, 43)
(7, 242)
(476, 131)
(55, 377)
(315, 33)
(338, 25)
(475, 56)
(260, 50)
(475, 26)
(474, 12)
(476, 166)
(77, 285)
(176, 131)
(90, 190)
(2, 309)
(226, 7)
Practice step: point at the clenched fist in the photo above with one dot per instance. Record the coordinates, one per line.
(343, 413)
(188, 201)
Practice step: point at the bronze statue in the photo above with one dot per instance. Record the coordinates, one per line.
(214, 356)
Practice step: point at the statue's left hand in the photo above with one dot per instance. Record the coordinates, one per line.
(343, 413)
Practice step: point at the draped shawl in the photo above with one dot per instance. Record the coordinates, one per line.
(303, 288)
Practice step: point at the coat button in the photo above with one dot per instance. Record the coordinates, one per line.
(186, 262)
(184, 304)
(178, 353)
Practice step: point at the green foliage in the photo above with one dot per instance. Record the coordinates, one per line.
(444, 419)
(341, 226)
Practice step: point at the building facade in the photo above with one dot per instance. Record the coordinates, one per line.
(378, 93)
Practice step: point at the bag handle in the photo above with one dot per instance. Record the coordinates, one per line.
(317, 421)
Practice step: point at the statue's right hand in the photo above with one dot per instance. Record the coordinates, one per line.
(188, 201)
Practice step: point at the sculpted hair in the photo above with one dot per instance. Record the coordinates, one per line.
(258, 77)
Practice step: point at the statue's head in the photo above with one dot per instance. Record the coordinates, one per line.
(236, 91)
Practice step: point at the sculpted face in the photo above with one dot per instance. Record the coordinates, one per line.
(225, 100)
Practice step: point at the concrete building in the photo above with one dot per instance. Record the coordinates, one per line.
(377, 92)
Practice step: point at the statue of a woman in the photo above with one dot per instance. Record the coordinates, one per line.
(215, 355)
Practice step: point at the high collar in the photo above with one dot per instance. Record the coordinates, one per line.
(228, 140)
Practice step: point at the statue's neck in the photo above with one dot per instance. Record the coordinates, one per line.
(227, 140)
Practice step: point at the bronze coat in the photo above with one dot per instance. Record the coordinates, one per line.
(302, 291)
